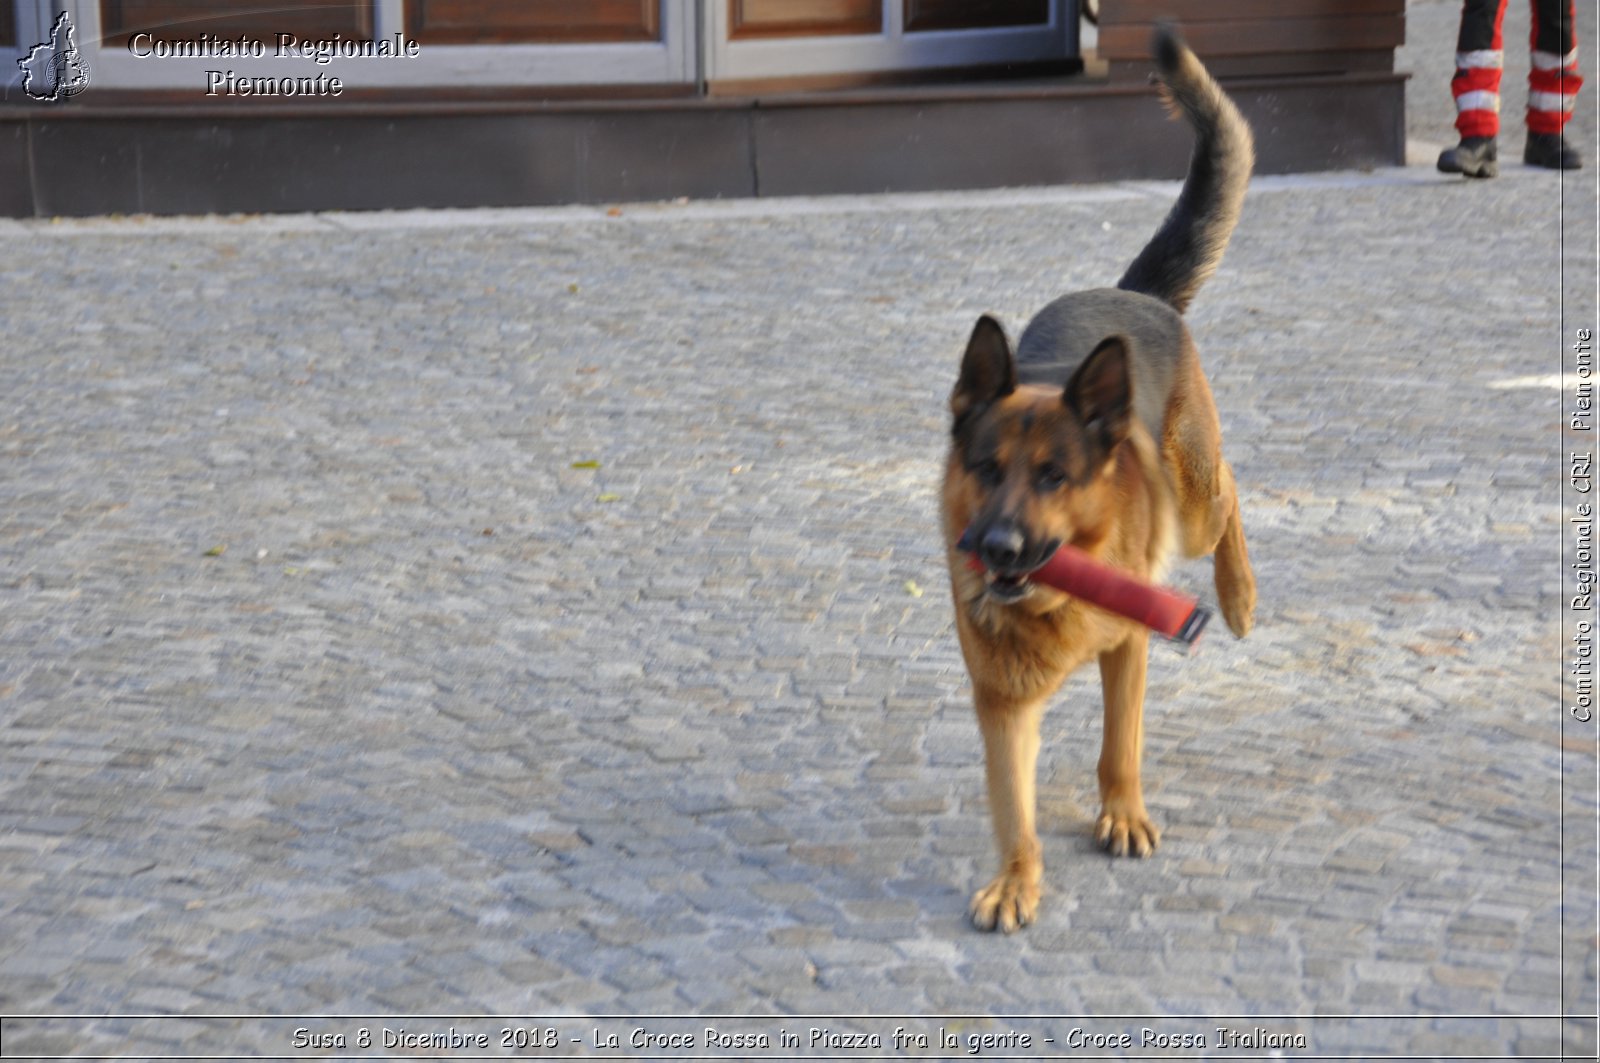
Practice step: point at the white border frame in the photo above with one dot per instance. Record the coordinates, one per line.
(893, 49)
(672, 60)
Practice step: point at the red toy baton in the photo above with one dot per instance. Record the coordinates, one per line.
(1166, 612)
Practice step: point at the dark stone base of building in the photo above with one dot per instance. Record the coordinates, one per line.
(171, 158)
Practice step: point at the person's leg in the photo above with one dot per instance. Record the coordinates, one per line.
(1553, 84)
(1480, 55)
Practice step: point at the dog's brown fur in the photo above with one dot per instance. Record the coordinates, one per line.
(1100, 431)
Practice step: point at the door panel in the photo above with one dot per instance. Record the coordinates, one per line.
(767, 42)
(793, 18)
(186, 20)
(923, 15)
(533, 21)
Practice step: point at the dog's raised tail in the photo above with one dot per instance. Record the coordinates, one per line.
(1188, 247)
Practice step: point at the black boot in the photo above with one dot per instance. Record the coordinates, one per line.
(1474, 156)
(1551, 151)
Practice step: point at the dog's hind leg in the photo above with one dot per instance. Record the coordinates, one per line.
(1236, 581)
(1208, 501)
(1191, 445)
(1208, 498)
(1124, 826)
(1010, 756)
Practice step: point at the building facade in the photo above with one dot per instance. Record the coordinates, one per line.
(198, 105)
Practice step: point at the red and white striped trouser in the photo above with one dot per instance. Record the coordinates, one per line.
(1553, 80)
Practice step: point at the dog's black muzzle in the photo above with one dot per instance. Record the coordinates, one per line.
(1008, 557)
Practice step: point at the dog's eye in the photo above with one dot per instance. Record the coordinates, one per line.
(988, 472)
(1051, 478)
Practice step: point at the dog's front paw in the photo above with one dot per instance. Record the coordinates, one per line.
(1009, 902)
(1124, 827)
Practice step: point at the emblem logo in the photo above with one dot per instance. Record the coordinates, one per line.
(55, 70)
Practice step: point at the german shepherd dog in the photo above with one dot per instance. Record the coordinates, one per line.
(1099, 431)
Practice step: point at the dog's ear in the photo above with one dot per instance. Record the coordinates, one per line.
(1100, 393)
(988, 372)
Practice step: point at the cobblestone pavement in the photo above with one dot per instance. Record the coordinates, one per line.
(541, 613)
